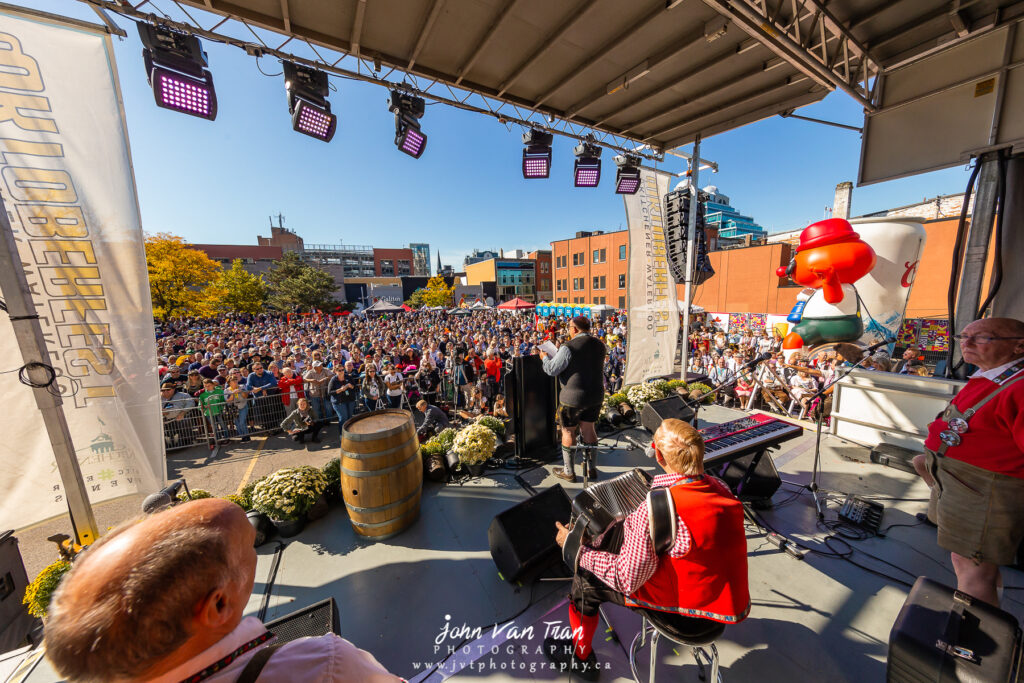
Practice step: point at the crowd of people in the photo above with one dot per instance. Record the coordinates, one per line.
(229, 378)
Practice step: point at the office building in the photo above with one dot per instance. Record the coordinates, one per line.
(591, 268)
(420, 259)
(512, 277)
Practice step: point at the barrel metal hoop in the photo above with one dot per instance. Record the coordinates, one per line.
(389, 451)
(382, 508)
(375, 435)
(377, 525)
(386, 470)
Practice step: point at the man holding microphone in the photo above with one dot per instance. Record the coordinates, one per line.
(578, 364)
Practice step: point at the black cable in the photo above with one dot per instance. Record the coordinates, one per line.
(954, 275)
(997, 265)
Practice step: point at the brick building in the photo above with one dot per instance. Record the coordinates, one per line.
(255, 259)
(512, 277)
(545, 274)
(591, 268)
(392, 262)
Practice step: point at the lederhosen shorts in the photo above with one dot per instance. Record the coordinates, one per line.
(980, 514)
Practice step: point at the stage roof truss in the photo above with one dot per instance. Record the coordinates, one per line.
(646, 73)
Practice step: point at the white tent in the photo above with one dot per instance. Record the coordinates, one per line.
(384, 307)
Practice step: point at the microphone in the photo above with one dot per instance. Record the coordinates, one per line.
(759, 359)
(851, 353)
(634, 444)
(163, 498)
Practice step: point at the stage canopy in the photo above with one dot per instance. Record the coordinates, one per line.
(656, 72)
(516, 304)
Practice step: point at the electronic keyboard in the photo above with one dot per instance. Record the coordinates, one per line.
(728, 441)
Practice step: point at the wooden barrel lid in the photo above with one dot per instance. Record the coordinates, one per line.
(378, 424)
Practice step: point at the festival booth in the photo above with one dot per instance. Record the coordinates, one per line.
(382, 307)
(516, 304)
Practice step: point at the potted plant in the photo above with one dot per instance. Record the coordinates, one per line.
(640, 395)
(494, 424)
(40, 591)
(287, 495)
(196, 494)
(475, 445)
(259, 521)
(677, 386)
(697, 389)
(332, 470)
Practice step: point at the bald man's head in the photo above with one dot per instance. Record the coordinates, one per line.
(991, 342)
(132, 599)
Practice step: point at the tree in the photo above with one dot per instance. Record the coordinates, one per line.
(240, 291)
(437, 292)
(415, 299)
(297, 285)
(179, 278)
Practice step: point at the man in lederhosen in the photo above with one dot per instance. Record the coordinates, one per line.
(579, 367)
(975, 459)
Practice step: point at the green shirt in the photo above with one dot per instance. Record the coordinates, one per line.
(212, 402)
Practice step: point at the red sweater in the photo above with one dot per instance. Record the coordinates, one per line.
(710, 581)
(994, 440)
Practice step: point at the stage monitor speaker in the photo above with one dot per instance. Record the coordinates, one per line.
(15, 622)
(762, 483)
(656, 411)
(532, 397)
(522, 538)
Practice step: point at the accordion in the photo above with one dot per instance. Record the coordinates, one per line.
(598, 512)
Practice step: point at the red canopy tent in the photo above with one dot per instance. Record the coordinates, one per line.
(516, 304)
(406, 308)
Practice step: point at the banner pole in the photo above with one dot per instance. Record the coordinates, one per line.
(691, 246)
(29, 333)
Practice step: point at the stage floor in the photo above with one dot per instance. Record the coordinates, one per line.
(820, 618)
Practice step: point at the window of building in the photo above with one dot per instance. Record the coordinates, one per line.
(622, 281)
(545, 266)
(387, 267)
(404, 267)
(600, 255)
(599, 282)
(622, 302)
(622, 252)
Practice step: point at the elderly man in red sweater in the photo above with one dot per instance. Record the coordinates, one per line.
(975, 459)
(701, 576)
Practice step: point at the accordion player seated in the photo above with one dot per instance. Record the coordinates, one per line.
(681, 551)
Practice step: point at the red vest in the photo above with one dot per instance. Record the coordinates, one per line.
(710, 581)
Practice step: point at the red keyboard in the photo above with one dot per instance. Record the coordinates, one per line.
(734, 439)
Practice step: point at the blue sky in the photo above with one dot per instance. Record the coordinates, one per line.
(220, 181)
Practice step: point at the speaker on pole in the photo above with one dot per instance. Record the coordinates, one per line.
(656, 411)
(522, 538)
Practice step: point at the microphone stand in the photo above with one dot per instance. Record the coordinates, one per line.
(813, 486)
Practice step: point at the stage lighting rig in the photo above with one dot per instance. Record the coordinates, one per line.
(408, 110)
(587, 169)
(536, 154)
(627, 177)
(176, 70)
(307, 101)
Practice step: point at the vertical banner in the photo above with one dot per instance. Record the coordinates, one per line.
(653, 311)
(67, 183)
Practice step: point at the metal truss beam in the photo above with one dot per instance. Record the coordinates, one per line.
(806, 34)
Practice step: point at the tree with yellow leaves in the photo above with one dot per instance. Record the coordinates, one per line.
(180, 278)
(240, 291)
(437, 292)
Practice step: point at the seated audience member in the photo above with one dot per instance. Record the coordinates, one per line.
(702, 575)
(476, 405)
(802, 387)
(499, 409)
(162, 600)
(434, 420)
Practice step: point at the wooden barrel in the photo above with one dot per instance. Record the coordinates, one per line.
(381, 472)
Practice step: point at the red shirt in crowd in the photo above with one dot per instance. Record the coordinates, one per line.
(994, 439)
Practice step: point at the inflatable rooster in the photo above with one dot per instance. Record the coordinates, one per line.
(830, 258)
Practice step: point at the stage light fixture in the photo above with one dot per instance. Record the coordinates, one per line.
(408, 110)
(627, 177)
(307, 101)
(587, 169)
(537, 154)
(176, 70)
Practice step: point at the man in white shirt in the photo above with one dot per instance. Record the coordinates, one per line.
(393, 379)
(161, 600)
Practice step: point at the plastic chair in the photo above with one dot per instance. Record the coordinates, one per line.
(696, 634)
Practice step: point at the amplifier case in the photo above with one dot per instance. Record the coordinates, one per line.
(522, 538)
(992, 635)
(655, 412)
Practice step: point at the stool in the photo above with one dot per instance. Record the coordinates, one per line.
(689, 632)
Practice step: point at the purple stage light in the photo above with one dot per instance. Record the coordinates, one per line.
(536, 163)
(627, 177)
(587, 172)
(411, 141)
(185, 94)
(627, 184)
(313, 121)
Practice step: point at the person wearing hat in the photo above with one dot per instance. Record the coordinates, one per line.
(578, 364)
(316, 379)
(830, 258)
(174, 406)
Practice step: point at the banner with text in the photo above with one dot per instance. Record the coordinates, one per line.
(653, 312)
(69, 190)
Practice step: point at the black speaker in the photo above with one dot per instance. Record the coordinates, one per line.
(15, 622)
(762, 484)
(656, 411)
(532, 398)
(522, 538)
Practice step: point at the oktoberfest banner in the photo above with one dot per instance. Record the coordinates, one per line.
(68, 189)
(653, 312)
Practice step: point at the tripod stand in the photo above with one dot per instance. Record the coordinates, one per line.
(819, 396)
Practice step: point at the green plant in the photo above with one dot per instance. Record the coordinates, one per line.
(237, 500)
(431, 448)
(39, 593)
(446, 438)
(492, 423)
(246, 494)
(289, 493)
(197, 494)
(662, 386)
(475, 444)
(674, 384)
(616, 399)
(699, 388)
(332, 470)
